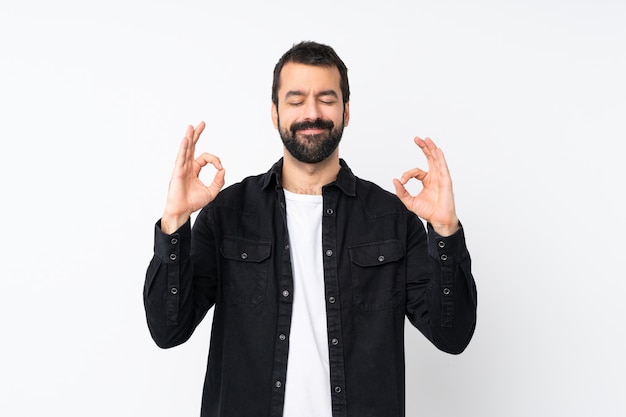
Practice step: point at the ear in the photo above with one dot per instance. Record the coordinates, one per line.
(274, 116)
(346, 114)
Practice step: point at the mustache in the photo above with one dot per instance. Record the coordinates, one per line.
(312, 124)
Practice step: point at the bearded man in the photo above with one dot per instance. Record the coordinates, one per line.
(311, 270)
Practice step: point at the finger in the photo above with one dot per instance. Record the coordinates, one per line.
(181, 157)
(437, 165)
(416, 173)
(425, 145)
(198, 131)
(442, 165)
(218, 182)
(436, 161)
(189, 145)
(207, 158)
(189, 131)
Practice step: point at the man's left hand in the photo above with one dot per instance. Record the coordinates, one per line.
(435, 202)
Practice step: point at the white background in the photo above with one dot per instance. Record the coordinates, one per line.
(527, 99)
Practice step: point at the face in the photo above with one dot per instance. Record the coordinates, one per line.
(311, 115)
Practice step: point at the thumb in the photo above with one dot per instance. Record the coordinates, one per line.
(401, 191)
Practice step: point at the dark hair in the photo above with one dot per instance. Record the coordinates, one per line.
(312, 53)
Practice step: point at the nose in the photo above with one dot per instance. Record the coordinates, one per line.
(311, 110)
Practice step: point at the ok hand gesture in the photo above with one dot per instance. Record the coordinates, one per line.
(435, 202)
(186, 192)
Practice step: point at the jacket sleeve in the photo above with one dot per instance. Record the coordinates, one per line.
(441, 292)
(176, 298)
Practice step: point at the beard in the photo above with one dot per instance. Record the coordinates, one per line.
(311, 149)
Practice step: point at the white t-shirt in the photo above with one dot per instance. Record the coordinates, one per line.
(307, 388)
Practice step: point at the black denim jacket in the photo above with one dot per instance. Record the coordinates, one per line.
(380, 266)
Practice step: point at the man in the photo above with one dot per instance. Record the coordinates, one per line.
(311, 270)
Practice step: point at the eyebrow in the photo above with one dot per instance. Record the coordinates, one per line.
(298, 93)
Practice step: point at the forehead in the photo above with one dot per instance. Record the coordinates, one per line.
(308, 78)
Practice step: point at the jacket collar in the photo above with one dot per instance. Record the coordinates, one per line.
(346, 181)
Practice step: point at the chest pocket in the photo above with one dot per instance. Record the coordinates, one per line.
(377, 274)
(245, 270)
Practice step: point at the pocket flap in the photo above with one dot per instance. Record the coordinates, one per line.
(245, 250)
(376, 253)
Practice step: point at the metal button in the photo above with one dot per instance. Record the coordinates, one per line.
(329, 252)
(282, 337)
(335, 342)
(337, 389)
(444, 257)
(329, 211)
(244, 256)
(331, 300)
(174, 290)
(172, 257)
(381, 258)
(442, 244)
(278, 384)
(446, 291)
(285, 293)
(174, 241)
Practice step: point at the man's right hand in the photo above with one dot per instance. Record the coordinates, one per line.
(186, 192)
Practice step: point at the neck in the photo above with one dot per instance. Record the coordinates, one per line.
(302, 178)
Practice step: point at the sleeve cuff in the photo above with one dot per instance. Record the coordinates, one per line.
(444, 248)
(172, 248)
